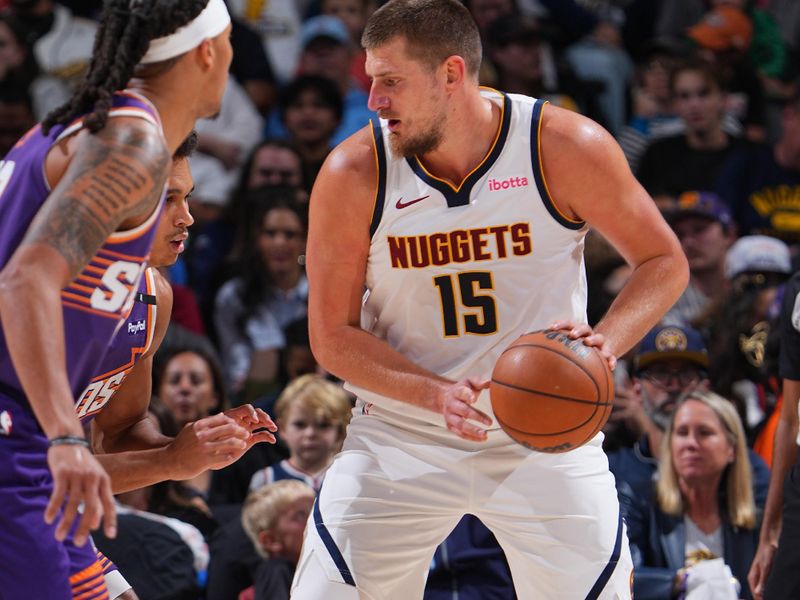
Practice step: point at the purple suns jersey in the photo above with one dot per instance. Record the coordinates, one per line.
(132, 341)
(97, 302)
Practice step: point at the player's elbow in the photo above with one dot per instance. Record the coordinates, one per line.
(319, 347)
(323, 342)
(16, 284)
(681, 268)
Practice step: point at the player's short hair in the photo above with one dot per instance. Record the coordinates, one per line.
(187, 147)
(433, 30)
(327, 400)
(264, 506)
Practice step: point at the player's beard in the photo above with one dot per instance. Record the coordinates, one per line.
(427, 141)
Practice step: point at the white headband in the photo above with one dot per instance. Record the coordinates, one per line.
(208, 24)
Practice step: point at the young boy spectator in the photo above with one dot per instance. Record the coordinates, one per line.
(274, 518)
(312, 415)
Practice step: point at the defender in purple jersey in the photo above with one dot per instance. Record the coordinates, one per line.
(80, 196)
(131, 449)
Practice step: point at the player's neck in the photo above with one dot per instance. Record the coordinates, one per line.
(471, 131)
(174, 108)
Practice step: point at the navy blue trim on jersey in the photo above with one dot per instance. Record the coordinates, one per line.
(538, 176)
(333, 550)
(601, 582)
(460, 197)
(380, 194)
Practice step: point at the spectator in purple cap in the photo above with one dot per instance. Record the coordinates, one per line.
(704, 226)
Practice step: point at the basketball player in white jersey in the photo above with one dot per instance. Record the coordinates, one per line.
(437, 237)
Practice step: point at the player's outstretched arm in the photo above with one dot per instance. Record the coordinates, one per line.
(342, 203)
(114, 178)
(784, 456)
(589, 179)
(136, 454)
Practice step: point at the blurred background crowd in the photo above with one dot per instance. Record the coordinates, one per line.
(702, 96)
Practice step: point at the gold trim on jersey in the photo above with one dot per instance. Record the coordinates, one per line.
(479, 165)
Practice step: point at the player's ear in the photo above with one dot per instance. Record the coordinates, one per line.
(455, 70)
(205, 54)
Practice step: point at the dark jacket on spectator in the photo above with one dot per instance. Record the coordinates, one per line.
(658, 543)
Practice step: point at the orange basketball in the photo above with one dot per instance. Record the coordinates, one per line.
(551, 393)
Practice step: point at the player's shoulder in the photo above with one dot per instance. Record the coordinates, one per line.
(351, 166)
(353, 157)
(569, 139)
(137, 134)
(568, 130)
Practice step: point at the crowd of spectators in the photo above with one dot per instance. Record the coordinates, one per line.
(702, 95)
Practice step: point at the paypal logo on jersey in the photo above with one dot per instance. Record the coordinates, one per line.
(504, 184)
(136, 327)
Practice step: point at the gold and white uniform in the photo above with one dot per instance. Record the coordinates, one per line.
(454, 275)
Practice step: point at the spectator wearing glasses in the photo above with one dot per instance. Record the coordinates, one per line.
(273, 163)
(694, 529)
(670, 362)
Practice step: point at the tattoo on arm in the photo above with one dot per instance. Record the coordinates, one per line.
(115, 174)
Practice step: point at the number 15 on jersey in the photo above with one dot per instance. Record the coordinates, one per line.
(466, 305)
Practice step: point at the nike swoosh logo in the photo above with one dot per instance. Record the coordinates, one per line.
(401, 204)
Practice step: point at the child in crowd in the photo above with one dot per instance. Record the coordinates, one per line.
(274, 518)
(312, 415)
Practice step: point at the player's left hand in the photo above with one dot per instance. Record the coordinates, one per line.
(256, 421)
(588, 336)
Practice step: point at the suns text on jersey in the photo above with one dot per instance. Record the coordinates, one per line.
(460, 246)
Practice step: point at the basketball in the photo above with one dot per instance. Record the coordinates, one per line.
(551, 393)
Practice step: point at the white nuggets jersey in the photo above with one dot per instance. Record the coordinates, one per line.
(455, 274)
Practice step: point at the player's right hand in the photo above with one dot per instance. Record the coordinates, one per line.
(212, 442)
(459, 415)
(760, 568)
(79, 479)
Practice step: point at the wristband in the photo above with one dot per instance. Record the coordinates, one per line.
(69, 440)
